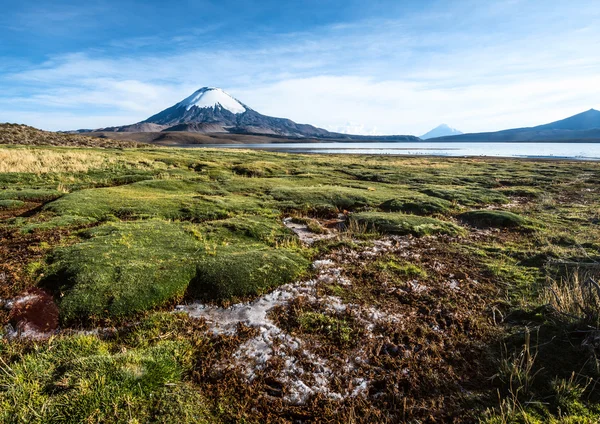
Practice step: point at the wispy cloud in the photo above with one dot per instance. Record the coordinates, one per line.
(475, 66)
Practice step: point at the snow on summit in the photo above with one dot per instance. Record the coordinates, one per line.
(209, 97)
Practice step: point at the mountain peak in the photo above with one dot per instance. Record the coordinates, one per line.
(212, 97)
(587, 120)
(442, 130)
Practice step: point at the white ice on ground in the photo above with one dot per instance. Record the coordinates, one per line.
(304, 234)
(304, 374)
(26, 331)
(210, 97)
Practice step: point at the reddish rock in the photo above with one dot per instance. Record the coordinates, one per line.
(34, 310)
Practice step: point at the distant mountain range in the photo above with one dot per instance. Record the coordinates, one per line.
(211, 111)
(211, 116)
(581, 127)
(440, 131)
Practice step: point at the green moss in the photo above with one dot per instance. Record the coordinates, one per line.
(467, 196)
(8, 204)
(400, 268)
(494, 218)
(123, 268)
(401, 224)
(234, 273)
(267, 230)
(169, 199)
(258, 169)
(64, 221)
(77, 379)
(417, 206)
(321, 199)
(336, 330)
(31, 195)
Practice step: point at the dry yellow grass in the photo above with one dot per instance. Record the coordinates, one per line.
(576, 297)
(44, 161)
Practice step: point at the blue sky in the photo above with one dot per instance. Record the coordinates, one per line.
(383, 67)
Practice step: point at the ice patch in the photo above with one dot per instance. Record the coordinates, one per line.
(303, 373)
(304, 234)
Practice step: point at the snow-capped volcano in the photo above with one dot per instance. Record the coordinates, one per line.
(211, 110)
(210, 97)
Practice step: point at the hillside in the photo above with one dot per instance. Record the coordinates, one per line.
(29, 136)
(583, 127)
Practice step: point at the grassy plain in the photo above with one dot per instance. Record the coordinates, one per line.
(119, 236)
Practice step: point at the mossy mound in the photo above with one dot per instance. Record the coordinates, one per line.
(417, 206)
(467, 196)
(31, 195)
(258, 169)
(79, 379)
(494, 218)
(65, 221)
(321, 199)
(270, 231)
(168, 199)
(401, 224)
(9, 204)
(130, 267)
(239, 273)
(123, 268)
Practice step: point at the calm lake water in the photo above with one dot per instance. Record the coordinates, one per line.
(581, 151)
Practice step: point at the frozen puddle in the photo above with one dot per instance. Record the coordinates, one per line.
(304, 234)
(303, 373)
(252, 356)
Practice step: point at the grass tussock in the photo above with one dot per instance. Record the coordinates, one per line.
(576, 297)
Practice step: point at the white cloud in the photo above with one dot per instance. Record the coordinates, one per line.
(488, 69)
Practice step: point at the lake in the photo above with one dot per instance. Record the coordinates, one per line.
(579, 151)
